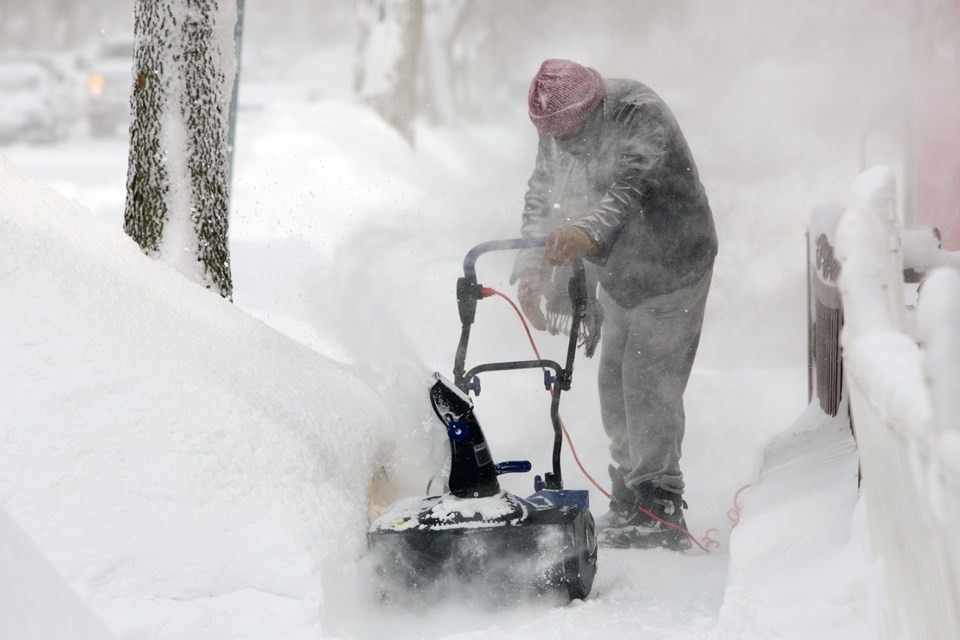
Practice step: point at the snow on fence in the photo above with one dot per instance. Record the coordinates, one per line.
(901, 371)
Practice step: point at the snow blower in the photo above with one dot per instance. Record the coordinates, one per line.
(476, 539)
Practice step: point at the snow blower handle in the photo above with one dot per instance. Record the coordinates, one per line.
(469, 292)
(470, 260)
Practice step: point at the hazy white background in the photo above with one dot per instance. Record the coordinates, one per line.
(182, 504)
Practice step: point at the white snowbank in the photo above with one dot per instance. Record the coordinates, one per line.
(798, 558)
(183, 465)
(35, 602)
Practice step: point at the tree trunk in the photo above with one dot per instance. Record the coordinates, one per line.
(387, 59)
(177, 195)
(148, 184)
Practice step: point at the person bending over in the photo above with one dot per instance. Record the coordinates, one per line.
(616, 184)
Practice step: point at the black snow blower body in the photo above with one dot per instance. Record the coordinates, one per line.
(476, 538)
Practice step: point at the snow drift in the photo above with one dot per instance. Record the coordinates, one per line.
(183, 465)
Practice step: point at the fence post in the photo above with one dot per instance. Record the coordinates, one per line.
(872, 274)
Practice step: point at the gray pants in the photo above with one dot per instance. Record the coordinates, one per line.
(645, 362)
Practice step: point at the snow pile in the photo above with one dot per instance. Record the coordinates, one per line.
(797, 558)
(941, 354)
(184, 466)
(35, 602)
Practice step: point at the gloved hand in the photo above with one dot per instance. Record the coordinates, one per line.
(529, 293)
(566, 244)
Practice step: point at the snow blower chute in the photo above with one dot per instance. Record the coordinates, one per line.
(475, 535)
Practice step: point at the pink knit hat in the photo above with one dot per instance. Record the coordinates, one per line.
(562, 95)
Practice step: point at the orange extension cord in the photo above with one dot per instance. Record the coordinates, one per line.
(707, 542)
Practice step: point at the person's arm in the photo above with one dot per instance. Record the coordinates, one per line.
(531, 268)
(641, 153)
(536, 215)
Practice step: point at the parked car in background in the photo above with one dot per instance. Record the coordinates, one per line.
(37, 98)
(109, 82)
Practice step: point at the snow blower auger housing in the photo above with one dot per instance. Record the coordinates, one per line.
(477, 540)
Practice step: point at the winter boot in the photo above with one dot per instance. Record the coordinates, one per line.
(622, 502)
(656, 520)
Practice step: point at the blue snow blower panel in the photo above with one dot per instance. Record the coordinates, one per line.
(578, 498)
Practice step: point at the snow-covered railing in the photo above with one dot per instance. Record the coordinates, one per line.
(903, 381)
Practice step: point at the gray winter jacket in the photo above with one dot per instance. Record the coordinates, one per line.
(629, 181)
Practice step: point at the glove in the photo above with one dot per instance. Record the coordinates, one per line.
(566, 244)
(529, 293)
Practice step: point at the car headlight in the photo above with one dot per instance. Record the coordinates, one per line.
(95, 85)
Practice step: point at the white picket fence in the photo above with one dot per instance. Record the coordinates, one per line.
(901, 371)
